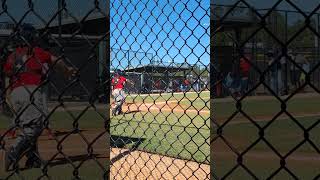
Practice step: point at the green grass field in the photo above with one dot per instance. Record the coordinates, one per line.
(63, 120)
(284, 134)
(186, 136)
(268, 107)
(178, 135)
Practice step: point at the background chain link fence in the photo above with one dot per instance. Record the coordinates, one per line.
(265, 69)
(162, 48)
(56, 117)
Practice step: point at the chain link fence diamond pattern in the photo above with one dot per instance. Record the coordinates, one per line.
(162, 48)
(268, 130)
(53, 64)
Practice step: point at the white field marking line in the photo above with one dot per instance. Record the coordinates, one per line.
(269, 119)
(162, 108)
(173, 101)
(146, 109)
(160, 94)
(180, 110)
(149, 106)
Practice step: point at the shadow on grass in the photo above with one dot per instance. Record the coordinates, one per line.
(73, 159)
(133, 111)
(61, 133)
(122, 142)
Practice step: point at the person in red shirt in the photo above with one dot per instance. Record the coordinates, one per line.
(25, 68)
(118, 82)
(158, 84)
(245, 71)
(186, 84)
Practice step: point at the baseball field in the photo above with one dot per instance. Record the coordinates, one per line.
(174, 126)
(282, 137)
(84, 151)
(167, 136)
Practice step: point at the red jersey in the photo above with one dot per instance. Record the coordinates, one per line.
(118, 82)
(157, 85)
(245, 66)
(29, 67)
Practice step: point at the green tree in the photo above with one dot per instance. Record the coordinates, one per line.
(305, 38)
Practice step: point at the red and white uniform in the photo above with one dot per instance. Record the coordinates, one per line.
(118, 82)
(30, 67)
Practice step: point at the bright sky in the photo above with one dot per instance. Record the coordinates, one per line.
(174, 31)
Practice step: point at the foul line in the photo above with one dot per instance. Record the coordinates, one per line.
(160, 94)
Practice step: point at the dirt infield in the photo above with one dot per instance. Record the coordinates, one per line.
(72, 144)
(131, 165)
(165, 106)
(143, 165)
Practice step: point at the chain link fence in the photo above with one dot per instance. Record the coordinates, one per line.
(264, 68)
(54, 63)
(162, 130)
(58, 73)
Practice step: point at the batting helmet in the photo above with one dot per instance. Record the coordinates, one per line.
(117, 72)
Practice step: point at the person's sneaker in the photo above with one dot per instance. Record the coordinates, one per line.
(120, 112)
(113, 112)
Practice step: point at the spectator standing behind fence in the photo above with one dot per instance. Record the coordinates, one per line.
(276, 74)
(244, 72)
(306, 68)
(186, 84)
(158, 84)
(299, 59)
(24, 67)
(196, 84)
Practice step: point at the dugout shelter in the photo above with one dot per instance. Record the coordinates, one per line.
(158, 77)
(231, 21)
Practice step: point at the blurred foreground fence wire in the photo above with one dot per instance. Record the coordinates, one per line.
(160, 119)
(54, 86)
(263, 52)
